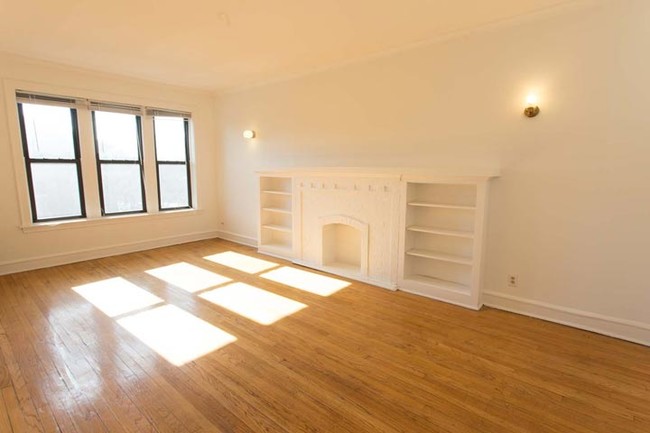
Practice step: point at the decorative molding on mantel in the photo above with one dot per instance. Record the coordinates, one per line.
(337, 185)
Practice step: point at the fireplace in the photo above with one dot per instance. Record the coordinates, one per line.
(348, 226)
(344, 245)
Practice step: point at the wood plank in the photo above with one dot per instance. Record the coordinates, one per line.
(5, 425)
(5, 380)
(18, 418)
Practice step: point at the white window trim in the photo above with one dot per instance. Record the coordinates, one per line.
(88, 167)
(107, 220)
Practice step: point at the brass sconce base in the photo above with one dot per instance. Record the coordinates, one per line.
(531, 111)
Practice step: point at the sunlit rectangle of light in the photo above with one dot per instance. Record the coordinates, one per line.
(176, 335)
(253, 303)
(116, 296)
(241, 262)
(307, 281)
(188, 277)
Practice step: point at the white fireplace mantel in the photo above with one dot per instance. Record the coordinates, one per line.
(411, 229)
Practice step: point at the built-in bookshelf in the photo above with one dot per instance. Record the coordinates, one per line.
(442, 235)
(276, 216)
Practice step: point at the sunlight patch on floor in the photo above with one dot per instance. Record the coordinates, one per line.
(253, 303)
(175, 334)
(116, 296)
(241, 262)
(305, 280)
(188, 277)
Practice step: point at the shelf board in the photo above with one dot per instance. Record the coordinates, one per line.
(284, 193)
(435, 255)
(440, 205)
(277, 210)
(277, 248)
(437, 282)
(277, 228)
(443, 232)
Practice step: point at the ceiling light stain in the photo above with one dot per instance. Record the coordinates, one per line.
(224, 18)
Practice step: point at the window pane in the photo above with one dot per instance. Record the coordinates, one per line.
(49, 131)
(122, 187)
(170, 138)
(117, 136)
(173, 185)
(56, 190)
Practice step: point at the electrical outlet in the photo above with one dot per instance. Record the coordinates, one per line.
(513, 280)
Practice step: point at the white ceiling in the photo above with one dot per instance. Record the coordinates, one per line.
(224, 44)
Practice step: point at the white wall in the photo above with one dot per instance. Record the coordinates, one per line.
(570, 215)
(21, 250)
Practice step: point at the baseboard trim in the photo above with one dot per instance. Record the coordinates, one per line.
(636, 332)
(448, 298)
(238, 239)
(97, 253)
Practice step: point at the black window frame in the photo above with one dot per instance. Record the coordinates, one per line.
(29, 161)
(99, 161)
(186, 162)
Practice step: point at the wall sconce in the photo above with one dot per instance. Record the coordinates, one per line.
(249, 134)
(532, 109)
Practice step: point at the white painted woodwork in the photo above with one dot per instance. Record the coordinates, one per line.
(442, 240)
(276, 216)
(415, 232)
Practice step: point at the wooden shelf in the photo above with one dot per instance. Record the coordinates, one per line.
(283, 193)
(277, 248)
(440, 205)
(443, 232)
(277, 210)
(441, 241)
(435, 255)
(277, 228)
(437, 282)
(276, 216)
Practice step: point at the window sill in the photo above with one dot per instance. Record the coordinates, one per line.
(116, 219)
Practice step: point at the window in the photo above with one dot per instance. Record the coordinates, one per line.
(118, 146)
(127, 152)
(50, 140)
(171, 135)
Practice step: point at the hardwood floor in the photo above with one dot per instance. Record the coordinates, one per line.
(362, 359)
